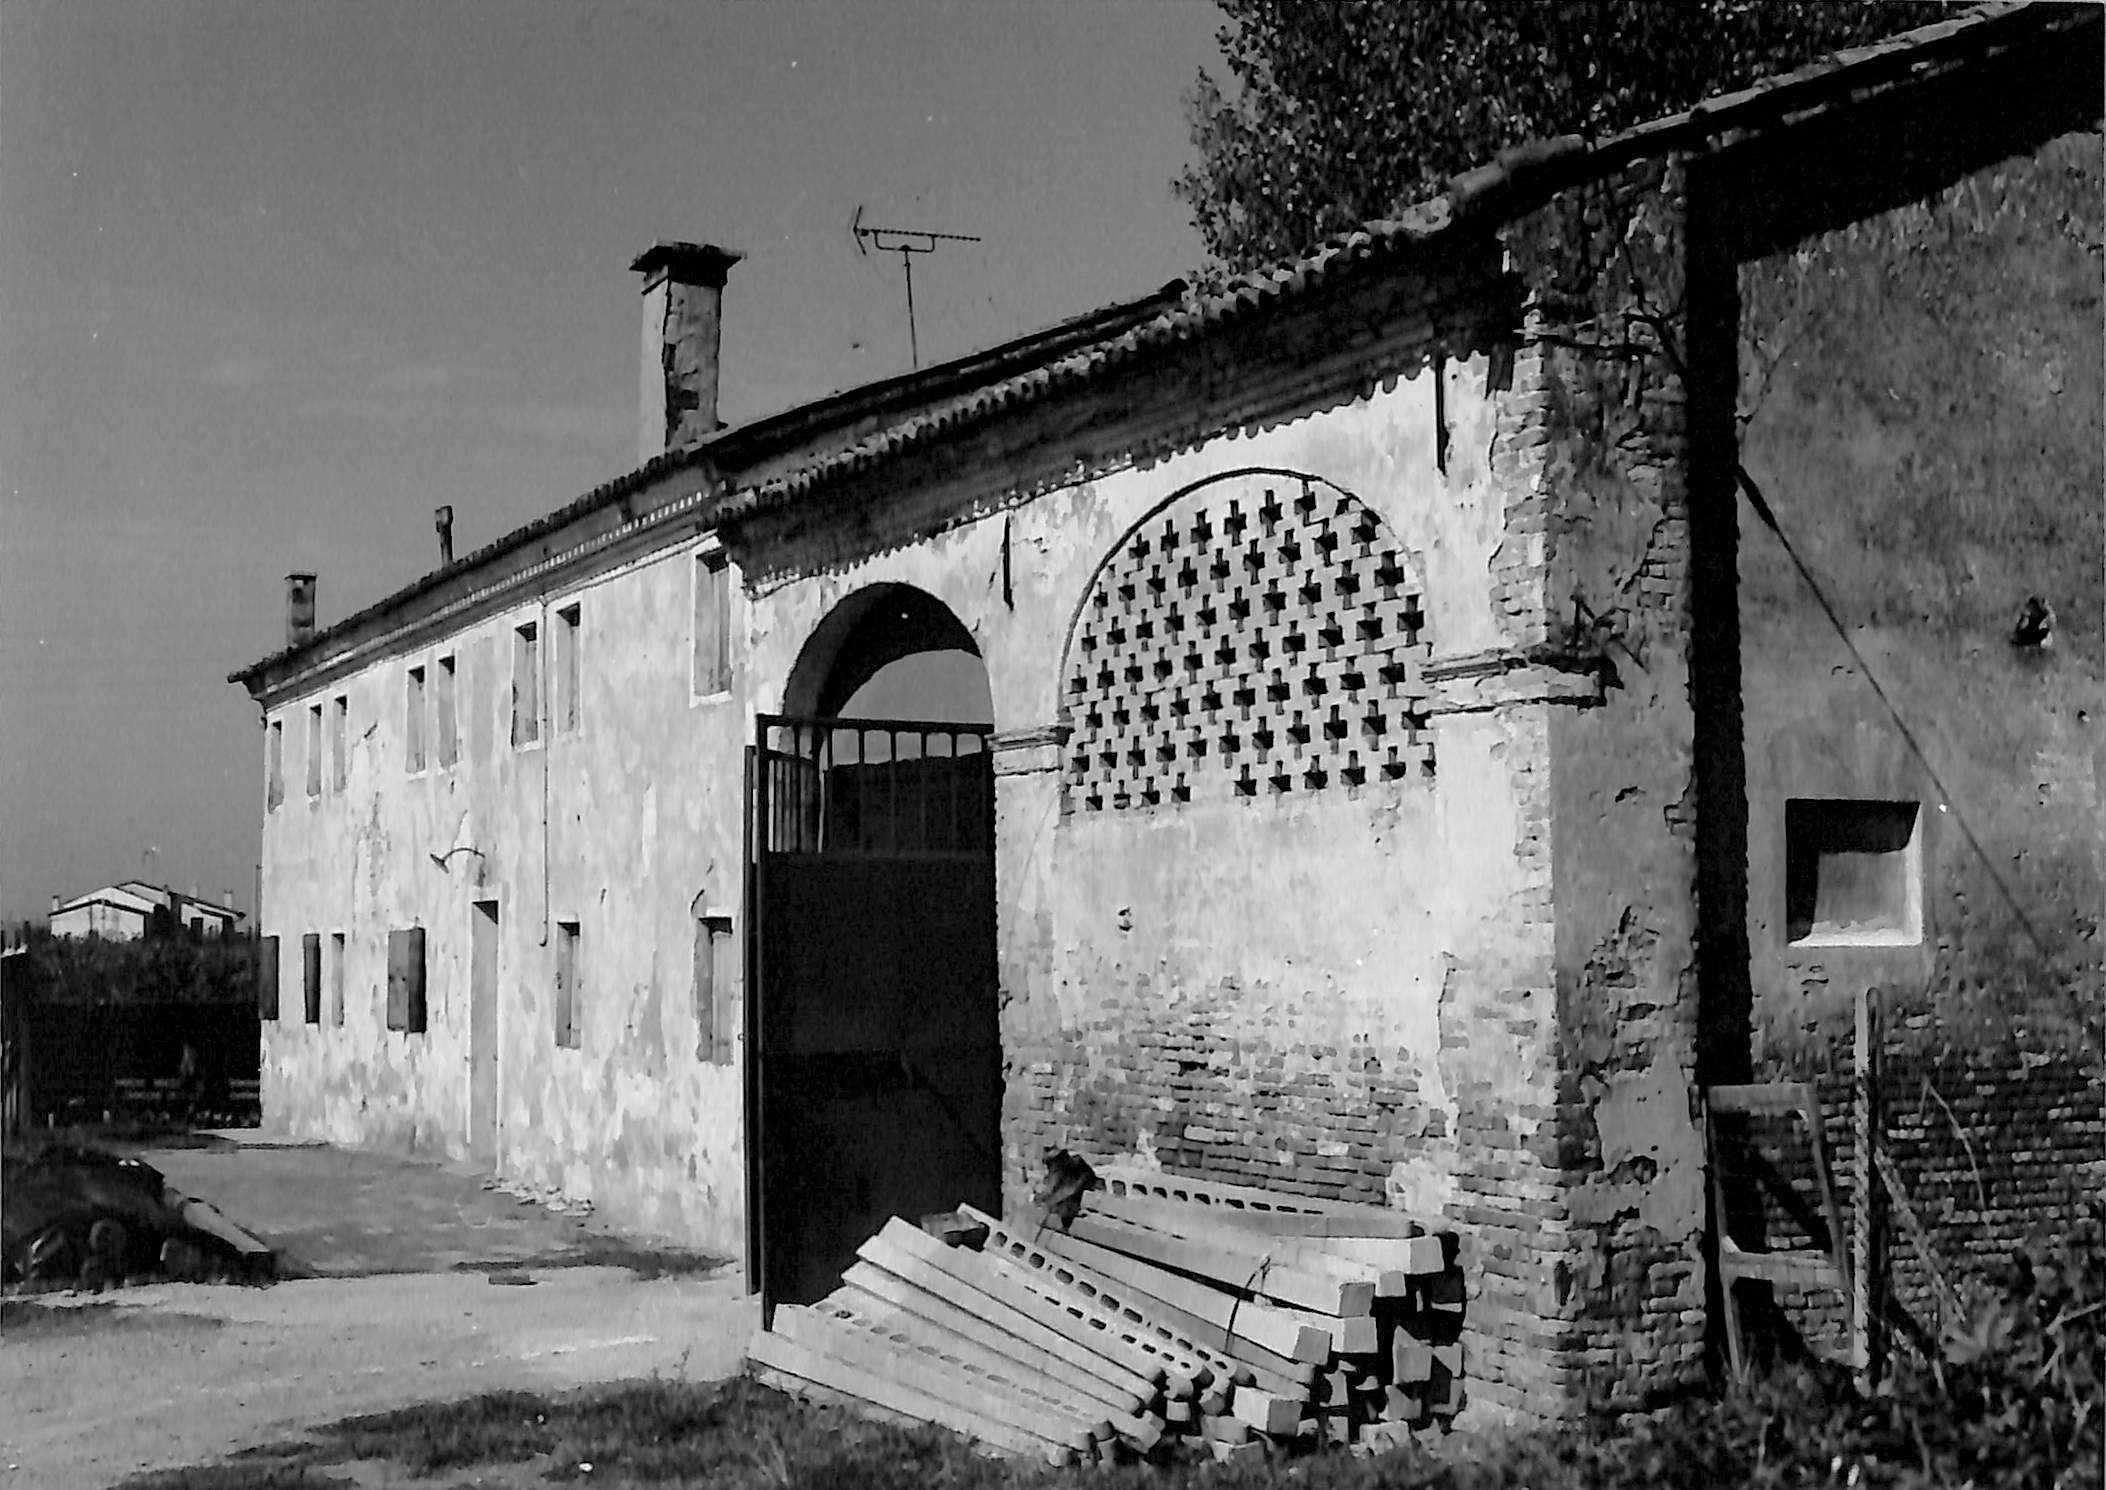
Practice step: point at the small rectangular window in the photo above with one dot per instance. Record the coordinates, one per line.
(568, 1013)
(449, 723)
(314, 750)
(274, 765)
(311, 977)
(1853, 873)
(267, 977)
(712, 624)
(413, 722)
(336, 979)
(566, 700)
(716, 1012)
(339, 729)
(526, 684)
(406, 1009)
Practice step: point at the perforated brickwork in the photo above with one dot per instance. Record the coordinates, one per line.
(1262, 635)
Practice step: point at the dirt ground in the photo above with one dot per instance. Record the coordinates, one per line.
(410, 1281)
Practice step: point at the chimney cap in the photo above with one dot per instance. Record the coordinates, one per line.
(689, 263)
(306, 574)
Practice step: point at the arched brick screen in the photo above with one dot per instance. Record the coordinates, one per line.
(1261, 633)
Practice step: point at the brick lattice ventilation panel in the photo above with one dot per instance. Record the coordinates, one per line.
(1261, 635)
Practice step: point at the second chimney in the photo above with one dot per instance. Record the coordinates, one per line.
(683, 313)
(299, 608)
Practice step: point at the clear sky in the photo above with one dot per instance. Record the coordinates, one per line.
(277, 279)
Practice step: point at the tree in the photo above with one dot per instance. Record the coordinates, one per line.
(1343, 113)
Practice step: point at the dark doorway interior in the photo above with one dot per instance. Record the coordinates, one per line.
(874, 1072)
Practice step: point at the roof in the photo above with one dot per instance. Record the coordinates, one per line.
(944, 401)
(140, 895)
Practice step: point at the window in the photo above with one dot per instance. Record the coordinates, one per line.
(568, 1014)
(712, 624)
(314, 750)
(413, 722)
(311, 977)
(406, 1008)
(526, 685)
(716, 1012)
(449, 723)
(274, 765)
(336, 979)
(267, 977)
(1853, 873)
(566, 700)
(339, 728)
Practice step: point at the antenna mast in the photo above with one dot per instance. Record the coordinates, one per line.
(906, 242)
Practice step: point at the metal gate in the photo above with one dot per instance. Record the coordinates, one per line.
(873, 1049)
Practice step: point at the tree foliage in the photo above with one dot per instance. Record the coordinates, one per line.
(1338, 114)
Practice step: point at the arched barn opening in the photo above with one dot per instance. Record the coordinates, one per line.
(874, 1065)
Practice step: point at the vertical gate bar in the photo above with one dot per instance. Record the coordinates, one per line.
(950, 783)
(756, 824)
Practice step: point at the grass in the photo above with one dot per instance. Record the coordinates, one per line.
(600, 1251)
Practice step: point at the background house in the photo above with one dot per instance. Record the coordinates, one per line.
(128, 910)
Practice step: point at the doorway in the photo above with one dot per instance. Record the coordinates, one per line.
(874, 1067)
(482, 1032)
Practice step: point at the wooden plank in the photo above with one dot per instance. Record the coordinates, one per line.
(1266, 1210)
(884, 1251)
(776, 1354)
(1277, 1416)
(1261, 1324)
(1192, 1369)
(1021, 1377)
(912, 1368)
(1348, 1259)
(1187, 1333)
(810, 1391)
(1238, 1359)
(1803, 1269)
(877, 1291)
(1760, 1096)
(1251, 1271)
(975, 1270)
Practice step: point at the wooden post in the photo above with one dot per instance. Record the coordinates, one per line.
(1866, 1346)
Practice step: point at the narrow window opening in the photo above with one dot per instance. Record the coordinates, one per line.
(566, 701)
(449, 723)
(314, 750)
(336, 979)
(413, 721)
(568, 1014)
(339, 730)
(526, 684)
(712, 624)
(274, 765)
(716, 1010)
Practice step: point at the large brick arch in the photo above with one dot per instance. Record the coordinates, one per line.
(1261, 632)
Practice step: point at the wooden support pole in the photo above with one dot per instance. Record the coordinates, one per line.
(1865, 1281)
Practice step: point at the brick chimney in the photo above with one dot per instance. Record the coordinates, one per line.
(299, 608)
(683, 290)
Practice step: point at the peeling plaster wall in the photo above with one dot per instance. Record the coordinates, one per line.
(617, 826)
(1924, 415)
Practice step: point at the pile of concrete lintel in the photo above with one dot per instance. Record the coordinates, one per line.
(1164, 1314)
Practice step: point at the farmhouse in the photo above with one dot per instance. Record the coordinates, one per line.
(1357, 732)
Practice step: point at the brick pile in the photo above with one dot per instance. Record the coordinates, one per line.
(1166, 1315)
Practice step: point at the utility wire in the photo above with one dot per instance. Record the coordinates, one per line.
(1768, 516)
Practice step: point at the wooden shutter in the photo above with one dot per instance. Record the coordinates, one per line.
(267, 978)
(406, 1008)
(311, 977)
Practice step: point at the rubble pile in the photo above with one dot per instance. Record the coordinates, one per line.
(1158, 1313)
(82, 1218)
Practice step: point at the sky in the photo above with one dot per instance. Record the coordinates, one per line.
(279, 278)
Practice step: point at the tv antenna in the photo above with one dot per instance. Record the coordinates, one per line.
(906, 242)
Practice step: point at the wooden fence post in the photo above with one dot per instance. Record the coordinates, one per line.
(1866, 1344)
